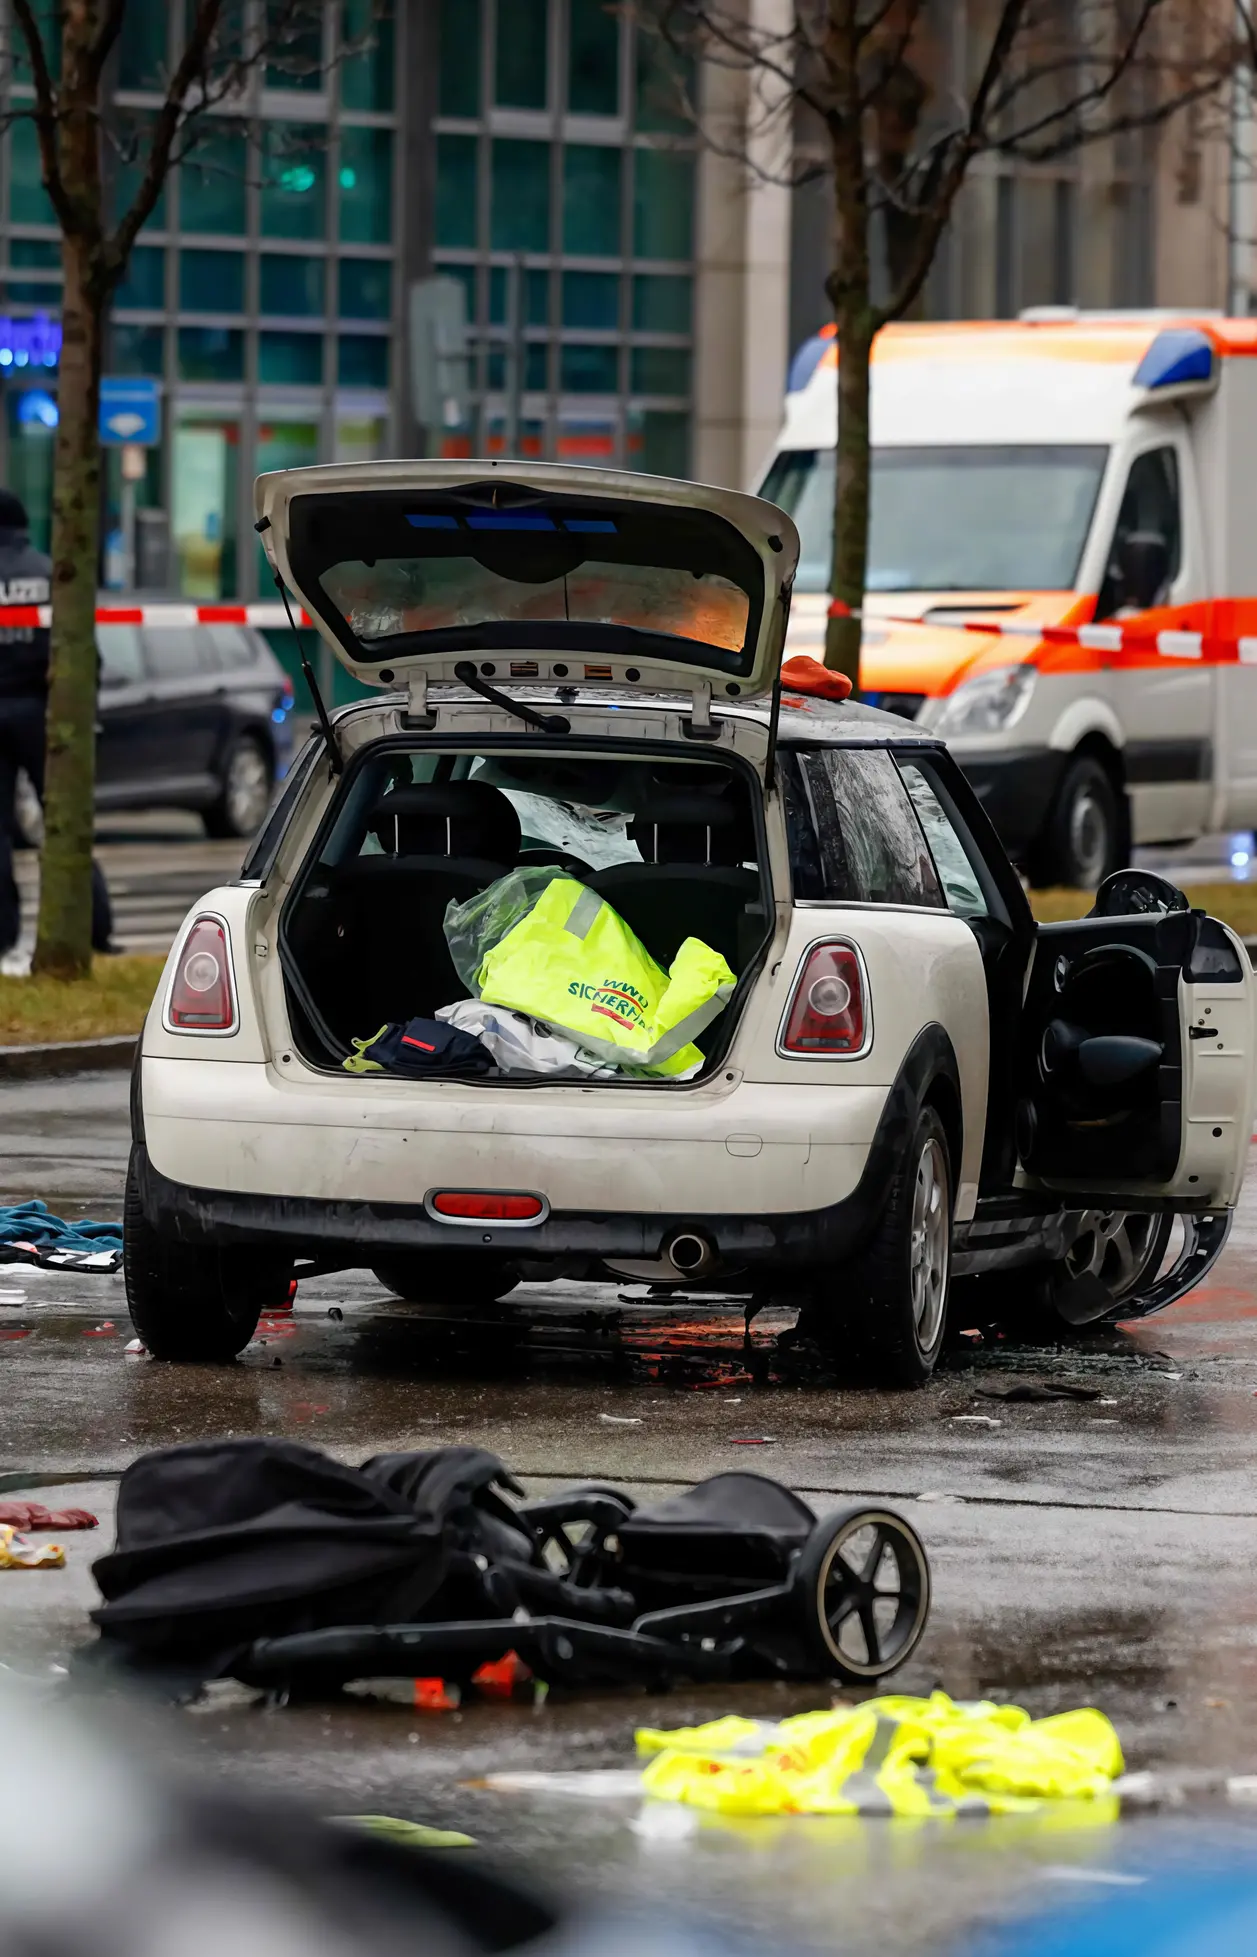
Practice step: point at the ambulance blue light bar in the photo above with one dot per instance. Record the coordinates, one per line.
(1177, 357)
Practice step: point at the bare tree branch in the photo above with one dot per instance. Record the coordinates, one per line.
(45, 116)
(935, 217)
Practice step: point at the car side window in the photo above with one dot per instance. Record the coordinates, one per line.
(171, 652)
(229, 647)
(1147, 550)
(852, 833)
(119, 649)
(959, 878)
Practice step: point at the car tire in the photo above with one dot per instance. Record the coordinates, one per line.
(191, 1302)
(447, 1278)
(896, 1292)
(1119, 1249)
(244, 791)
(1082, 840)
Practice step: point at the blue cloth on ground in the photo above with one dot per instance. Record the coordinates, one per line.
(31, 1234)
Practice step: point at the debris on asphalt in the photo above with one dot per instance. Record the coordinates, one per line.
(753, 1440)
(136, 1349)
(104, 1331)
(334, 1311)
(410, 1834)
(1040, 1390)
(17, 1553)
(975, 1420)
(621, 1419)
(27, 1516)
(598, 1784)
(890, 1756)
(31, 1234)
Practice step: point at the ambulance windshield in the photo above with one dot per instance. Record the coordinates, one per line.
(951, 519)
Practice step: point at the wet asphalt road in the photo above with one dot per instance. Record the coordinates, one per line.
(1100, 1551)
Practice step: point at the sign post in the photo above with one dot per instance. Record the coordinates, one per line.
(130, 419)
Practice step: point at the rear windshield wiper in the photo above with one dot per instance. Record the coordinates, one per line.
(548, 723)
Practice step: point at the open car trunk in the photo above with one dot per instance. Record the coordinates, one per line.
(674, 846)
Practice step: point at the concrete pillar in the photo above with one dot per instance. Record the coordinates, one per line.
(742, 285)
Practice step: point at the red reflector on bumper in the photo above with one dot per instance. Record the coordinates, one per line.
(486, 1208)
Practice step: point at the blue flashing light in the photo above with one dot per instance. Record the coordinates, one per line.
(423, 522)
(805, 362)
(508, 520)
(33, 342)
(36, 409)
(590, 525)
(279, 715)
(1178, 355)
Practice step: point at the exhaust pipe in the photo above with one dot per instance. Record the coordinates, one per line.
(689, 1255)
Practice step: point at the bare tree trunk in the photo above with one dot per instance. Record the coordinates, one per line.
(64, 944)
(849, 294)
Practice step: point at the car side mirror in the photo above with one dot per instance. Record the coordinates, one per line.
(1137, 893)
(1143, 561)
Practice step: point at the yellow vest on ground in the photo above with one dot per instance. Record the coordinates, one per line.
(890, 1756)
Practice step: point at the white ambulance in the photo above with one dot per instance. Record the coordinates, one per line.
(1062, 573)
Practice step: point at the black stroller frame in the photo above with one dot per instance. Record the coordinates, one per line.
(736, 1578)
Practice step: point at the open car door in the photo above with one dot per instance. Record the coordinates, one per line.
(1137, 1056)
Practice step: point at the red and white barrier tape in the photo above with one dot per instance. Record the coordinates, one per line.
(263, 616)
(1095, 638)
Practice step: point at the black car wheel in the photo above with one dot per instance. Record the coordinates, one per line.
(1081, 842)
(244, 791)
(447, 1278)
(191, 1302)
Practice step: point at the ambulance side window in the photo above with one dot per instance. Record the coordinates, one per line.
(1147, 547)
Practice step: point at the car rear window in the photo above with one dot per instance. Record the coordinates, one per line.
(853, 835)
(173, 652)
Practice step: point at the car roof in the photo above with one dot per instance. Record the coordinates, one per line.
(803, 721)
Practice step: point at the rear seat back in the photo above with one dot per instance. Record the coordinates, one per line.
(441, 843)
(690, 883)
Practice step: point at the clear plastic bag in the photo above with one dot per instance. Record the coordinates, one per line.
(473, 928)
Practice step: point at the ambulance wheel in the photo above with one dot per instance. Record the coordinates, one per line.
(1081, 842)
(194, 1301)
(895, 1309)
(447, 1277)
(862, 1584)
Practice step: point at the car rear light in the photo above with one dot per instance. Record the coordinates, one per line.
(201, 998)
(480, 1207)
(829, 1010)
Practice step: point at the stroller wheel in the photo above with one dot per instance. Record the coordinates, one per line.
(863, 1588)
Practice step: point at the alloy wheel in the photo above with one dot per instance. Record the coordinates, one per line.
(247, 789)
(930, 1225)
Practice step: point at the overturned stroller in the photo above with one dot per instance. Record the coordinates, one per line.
(268, 1562)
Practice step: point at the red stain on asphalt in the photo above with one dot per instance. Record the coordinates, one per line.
(10, 1333)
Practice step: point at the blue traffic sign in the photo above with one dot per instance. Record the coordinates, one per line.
(130, 412)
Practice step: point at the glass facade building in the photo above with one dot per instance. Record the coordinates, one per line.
(262, 296)
(565, 201)
(535, 150)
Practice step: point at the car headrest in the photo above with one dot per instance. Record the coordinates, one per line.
(458, 818)
(689, 827)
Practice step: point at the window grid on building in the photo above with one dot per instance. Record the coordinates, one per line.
(263, 294)
(565, 201)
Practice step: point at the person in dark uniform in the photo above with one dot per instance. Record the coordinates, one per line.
(24, 580)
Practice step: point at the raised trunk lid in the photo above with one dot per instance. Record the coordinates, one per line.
(535, 572)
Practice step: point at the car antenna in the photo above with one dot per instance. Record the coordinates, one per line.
(325, 726)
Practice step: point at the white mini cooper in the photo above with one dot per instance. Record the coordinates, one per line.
(909, 1083)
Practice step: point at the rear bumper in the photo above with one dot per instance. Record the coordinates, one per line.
(355, 1232)
(1016, 790)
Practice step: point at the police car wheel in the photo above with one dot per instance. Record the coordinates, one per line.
(244, 793)
(862, 1584)
(1081, 843)
(193, 1301)
(454, 1279)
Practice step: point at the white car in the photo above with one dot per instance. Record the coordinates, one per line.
(910, 1083)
